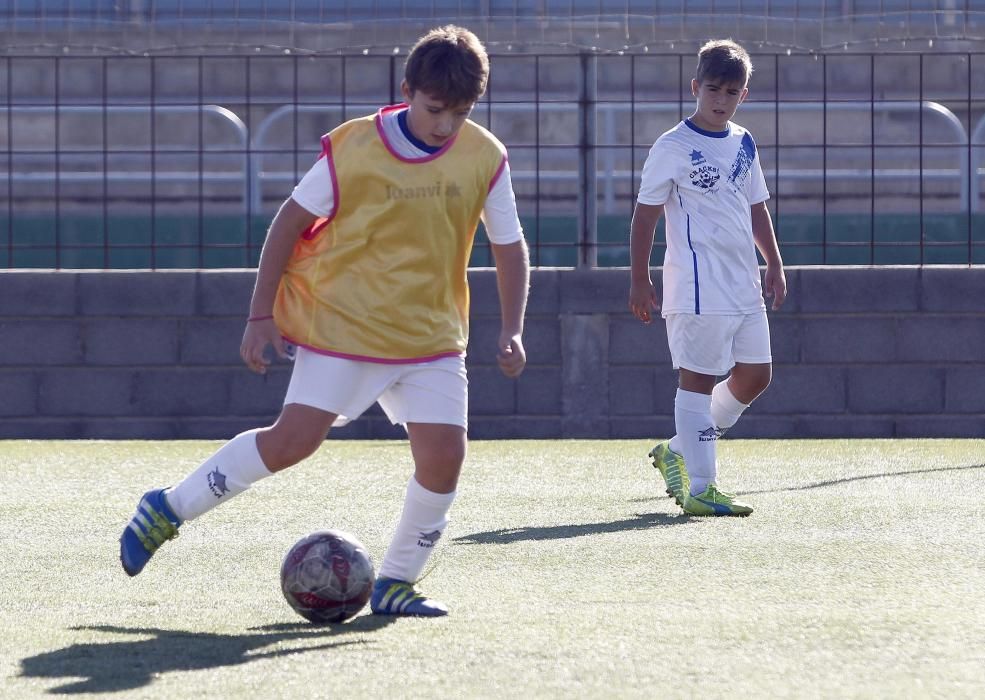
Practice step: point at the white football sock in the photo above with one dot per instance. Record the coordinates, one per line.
(228, 472)
(697, 435)
(675, 442)
(725, 408)
(422, 523)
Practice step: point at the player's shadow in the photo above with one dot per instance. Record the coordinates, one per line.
(642, 521)
(837, 482)
(864, 477)
(125, 665)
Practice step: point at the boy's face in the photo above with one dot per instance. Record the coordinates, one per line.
(717, 103)
(431, 120)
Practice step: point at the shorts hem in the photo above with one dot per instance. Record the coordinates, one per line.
(434, 421)
(704, 370)
(342, 417)
(755, 361)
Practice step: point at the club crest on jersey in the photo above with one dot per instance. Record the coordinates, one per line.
(705, 176)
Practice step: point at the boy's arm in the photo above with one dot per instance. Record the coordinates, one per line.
(512, 279)
(642, 296)
(290, 221)
(775, 280)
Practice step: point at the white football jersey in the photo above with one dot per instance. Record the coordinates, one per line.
(707, 181)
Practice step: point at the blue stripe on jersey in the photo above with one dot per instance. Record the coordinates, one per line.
(749, 146)
(705, 132)
(743, 159)
(694, 256)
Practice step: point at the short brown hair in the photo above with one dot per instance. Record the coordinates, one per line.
(449, 64)
(723, 61)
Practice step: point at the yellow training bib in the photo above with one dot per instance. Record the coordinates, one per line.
(384, 277)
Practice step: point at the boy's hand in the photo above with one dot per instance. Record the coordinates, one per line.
(511, 356)
(775, 285)
(257, 336)
(643, 301)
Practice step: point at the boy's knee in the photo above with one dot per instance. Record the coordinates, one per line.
(446, 456)
(438, 463)
(282, 446)
(749, 381)
(765, 378)
(439, 477)
(454, 455)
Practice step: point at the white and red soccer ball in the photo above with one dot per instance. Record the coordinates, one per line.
(327, 576)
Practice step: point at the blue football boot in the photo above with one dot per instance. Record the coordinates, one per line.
(393, 597)
(152, 525)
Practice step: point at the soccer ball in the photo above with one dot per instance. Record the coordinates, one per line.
(327, 576)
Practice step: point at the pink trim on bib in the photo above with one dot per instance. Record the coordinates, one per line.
(326, 152)
(379, 130)
(376, 360)
(499, 171)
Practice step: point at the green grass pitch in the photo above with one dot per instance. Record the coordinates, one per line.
(568, 574)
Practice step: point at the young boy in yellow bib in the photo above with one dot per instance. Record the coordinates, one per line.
(364, 271)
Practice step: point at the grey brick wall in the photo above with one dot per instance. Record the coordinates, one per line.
(858, 352)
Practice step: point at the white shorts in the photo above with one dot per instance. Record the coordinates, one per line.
(712, 345)
(422, 392)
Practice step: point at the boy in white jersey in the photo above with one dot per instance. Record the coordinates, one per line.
(705, 177)
(364, 271)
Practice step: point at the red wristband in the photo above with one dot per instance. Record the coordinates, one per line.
(251, 319)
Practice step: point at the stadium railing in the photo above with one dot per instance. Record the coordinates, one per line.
(575, 156)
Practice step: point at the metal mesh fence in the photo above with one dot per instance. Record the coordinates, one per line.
(164, 133)
(180, 161)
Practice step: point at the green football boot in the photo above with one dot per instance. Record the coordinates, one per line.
(670, 464)
(714, 502)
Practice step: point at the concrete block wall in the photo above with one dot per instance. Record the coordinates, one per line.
(858, 352)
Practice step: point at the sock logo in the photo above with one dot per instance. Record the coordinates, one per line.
(708, 435)
(217, 483)
(428, 539)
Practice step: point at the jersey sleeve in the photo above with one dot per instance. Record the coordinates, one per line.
(499, 213)
(315, 192)
(758, 191)
(657, 179)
